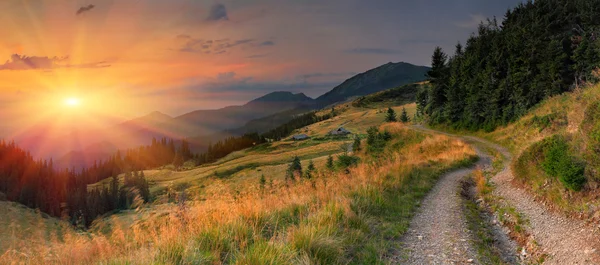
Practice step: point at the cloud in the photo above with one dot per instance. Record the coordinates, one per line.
(267, 43)
(373, 51)
(22, 62)
(84, 9)
(217, 12)
(255, 56)
(473, 22)
(188, 43)
(226, 76)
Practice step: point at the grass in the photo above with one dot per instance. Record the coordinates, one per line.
(337, 217)
(20, 227)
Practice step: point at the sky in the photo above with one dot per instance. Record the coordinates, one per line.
(126, 58)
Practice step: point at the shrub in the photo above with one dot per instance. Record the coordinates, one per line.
(571, 174)
(376, 140)
(591, 128)
(558, 162)
(555, 151)
(345, 161)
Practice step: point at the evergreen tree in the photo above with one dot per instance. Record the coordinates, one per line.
(294, 169)
(541, 49)
(309, 170)
(391, 115)
(404, 116)
(178, 161)
(437, 77)
(262, 182)
(330, 164)
(356, 145)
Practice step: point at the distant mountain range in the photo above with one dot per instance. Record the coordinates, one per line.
(203, 126)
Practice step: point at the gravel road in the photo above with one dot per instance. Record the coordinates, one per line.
(565, 240)
(438, 233)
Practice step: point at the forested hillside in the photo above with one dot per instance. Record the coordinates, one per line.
(541, 49)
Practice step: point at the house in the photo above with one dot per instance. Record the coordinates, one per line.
(340, 131)
(300, 137)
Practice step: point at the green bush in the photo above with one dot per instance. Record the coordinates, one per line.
(345, 161)
(376, 140)
(590, 127)
(549, 120)
(571, 174)
(558, 162)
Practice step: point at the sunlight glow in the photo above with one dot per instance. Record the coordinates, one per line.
(72, 102)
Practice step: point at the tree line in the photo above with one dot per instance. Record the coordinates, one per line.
(541, 49)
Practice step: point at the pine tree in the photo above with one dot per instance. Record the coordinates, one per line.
(404, 116)
(114, 192)
(309, 170)
(330, 164)
(178, 161)
(294, 169)
(262, 182)
(391, 115)
(437, 77)
(356, 145)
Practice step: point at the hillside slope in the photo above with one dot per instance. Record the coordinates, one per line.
(383, 77)
(21, 227)
(569, 119)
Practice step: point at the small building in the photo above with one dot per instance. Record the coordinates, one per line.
(300, 137)
(340, 131)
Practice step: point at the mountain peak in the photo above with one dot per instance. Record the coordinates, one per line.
(281, 96)
(157, 115)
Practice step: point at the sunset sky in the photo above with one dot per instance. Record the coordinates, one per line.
(126, 58)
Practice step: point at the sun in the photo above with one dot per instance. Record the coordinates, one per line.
(72, 102)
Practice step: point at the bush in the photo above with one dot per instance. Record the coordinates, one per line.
(376, 140)
(571, 174)
(559, 163)
(591, 128)
(345, 161)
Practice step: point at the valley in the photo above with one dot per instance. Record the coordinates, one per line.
(289, 140)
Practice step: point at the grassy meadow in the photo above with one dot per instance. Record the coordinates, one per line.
(227, 216)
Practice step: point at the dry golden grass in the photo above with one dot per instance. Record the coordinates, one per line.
(21, 226)
(519, 135)
(244, 222)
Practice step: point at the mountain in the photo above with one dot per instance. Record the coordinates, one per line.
(83, 158)
(383, 77)
(205, 122)
(282, 97)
